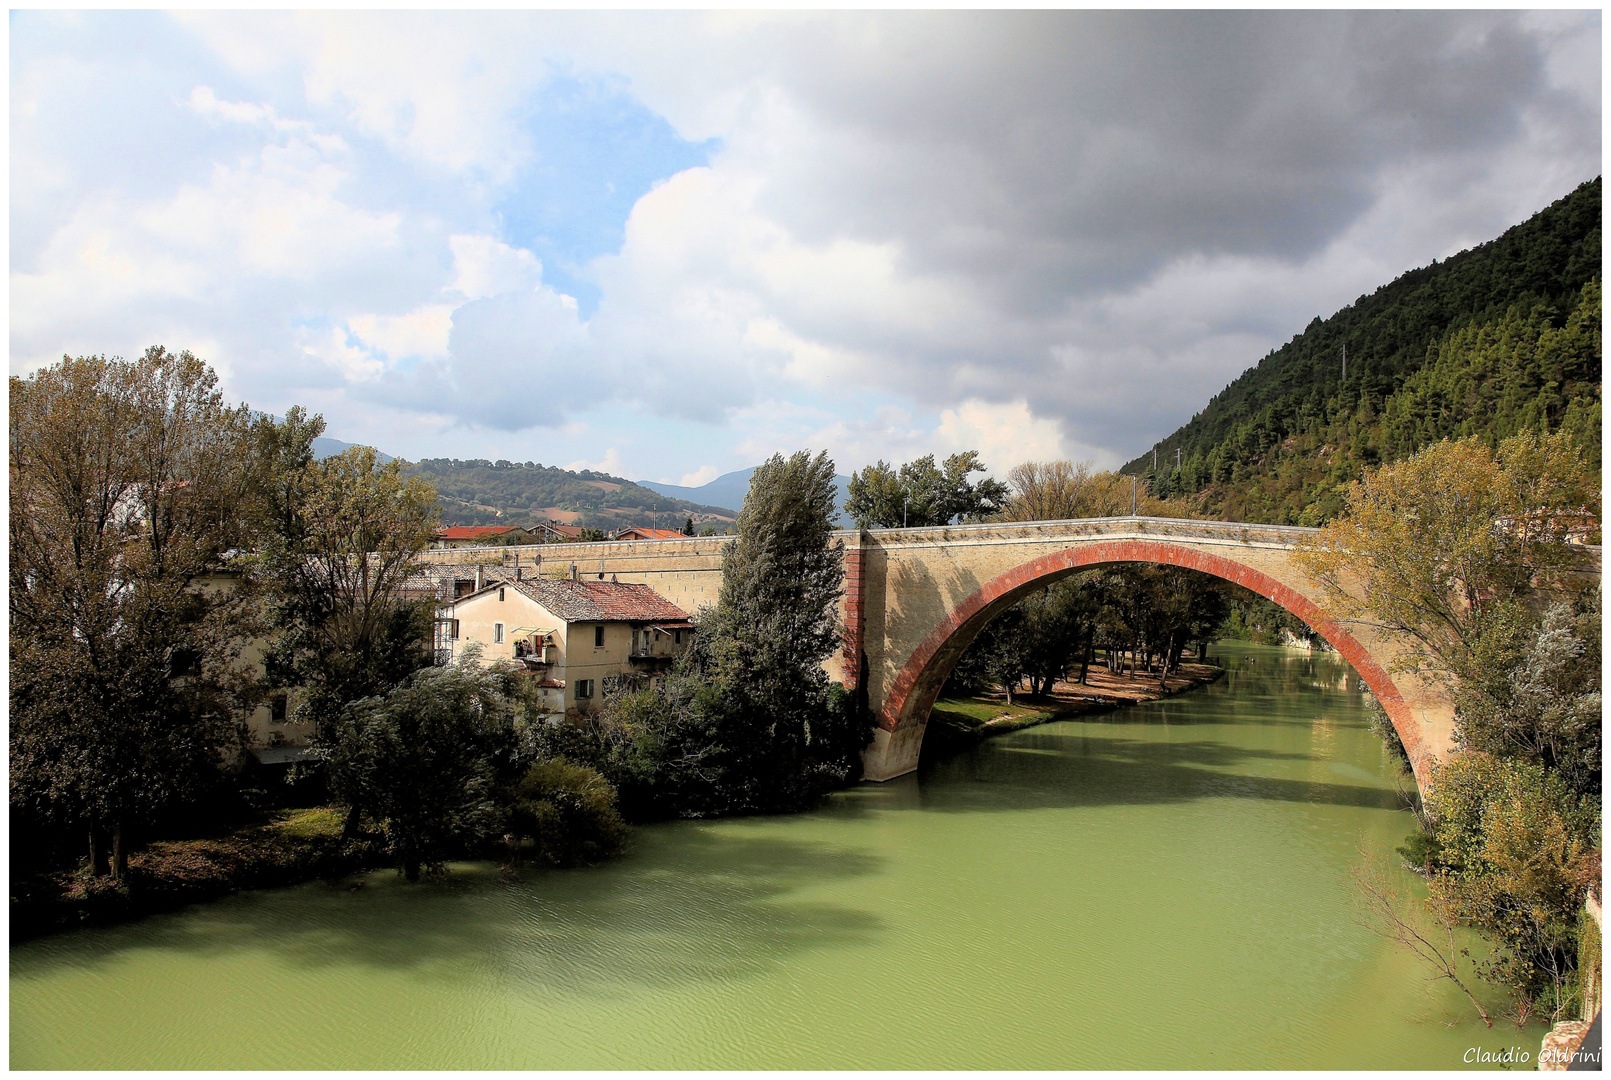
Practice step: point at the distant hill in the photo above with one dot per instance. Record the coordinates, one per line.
(481, 492)
(729, 490)
(324, 447)
(1499, 338)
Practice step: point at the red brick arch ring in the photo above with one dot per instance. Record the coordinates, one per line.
(918, 685)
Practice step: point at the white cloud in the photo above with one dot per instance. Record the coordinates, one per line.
(699, 477)
(611, 463)
(421, 333)
(920, 231)
(486, 266)
(1004, 435)
(331, 347)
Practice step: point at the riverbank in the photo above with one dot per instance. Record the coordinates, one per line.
(292, 847)
(296, 846)
(958, 723)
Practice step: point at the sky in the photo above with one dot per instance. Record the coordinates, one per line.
(670, 244)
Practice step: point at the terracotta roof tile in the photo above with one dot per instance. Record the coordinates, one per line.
(635, 533)
(599, 601)
(472, 532)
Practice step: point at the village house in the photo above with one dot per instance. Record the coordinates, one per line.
(635, 533)
(553, 532)
(575, 637)
(461, 535)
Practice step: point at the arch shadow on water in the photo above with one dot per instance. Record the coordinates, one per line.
(1107, 759)
(687, 904)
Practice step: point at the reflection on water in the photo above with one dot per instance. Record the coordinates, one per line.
(1163, 886)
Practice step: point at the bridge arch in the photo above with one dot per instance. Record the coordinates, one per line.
(905, 709)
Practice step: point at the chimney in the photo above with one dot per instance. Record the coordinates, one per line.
(520, 571)
(574, 575)
(612, 579)
(480, 578)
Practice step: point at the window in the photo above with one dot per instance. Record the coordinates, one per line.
(277, 708)
(183, 662)
(454, 633)
(584, 688)
(497, 633)
(598, 637)
(500, 595)
(676, 637)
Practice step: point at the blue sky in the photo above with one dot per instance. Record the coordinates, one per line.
(667, 244)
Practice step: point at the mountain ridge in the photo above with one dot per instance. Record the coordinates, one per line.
(1497, 338)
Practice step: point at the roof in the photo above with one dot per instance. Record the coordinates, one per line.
(473, 532)
(651, 534)
(599, 601)
(564, 530)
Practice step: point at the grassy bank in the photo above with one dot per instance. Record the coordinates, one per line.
(958, 723)
(291, 847)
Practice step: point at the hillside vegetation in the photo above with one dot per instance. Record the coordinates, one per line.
(1497, 339)
(481, 492)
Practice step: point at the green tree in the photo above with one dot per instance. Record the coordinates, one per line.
(784, 739)
(1516, 851)
(425, 758)
(569, 812)
(923, 494)
(132, 486)
(1540, 701)
(1444, 546)
(344, 543)
(746, 721)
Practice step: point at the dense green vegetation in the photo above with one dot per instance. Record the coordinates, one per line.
(168, 537)
(1501, 338)
(1140, 614)
(747, 720)
(921, 493)
(1511, 831)
(481, 492)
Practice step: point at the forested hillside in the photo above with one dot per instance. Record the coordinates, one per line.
(481, 492)
(1498, 338)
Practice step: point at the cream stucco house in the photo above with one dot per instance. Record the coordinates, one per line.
(575, 637)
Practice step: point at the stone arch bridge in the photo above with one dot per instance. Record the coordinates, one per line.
(915, 598)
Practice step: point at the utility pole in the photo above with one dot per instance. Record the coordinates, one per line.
(1177, 459)
(906, 501)
(1345, 362)
(1154, 459)
(1132, 496)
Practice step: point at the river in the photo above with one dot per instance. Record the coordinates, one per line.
(1161, 887)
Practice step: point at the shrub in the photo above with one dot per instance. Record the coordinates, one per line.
(569, 811)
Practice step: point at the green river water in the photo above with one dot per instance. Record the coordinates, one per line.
(1160, 887)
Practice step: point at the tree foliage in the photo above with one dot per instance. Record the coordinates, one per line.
(1516, 852)
(344, 535)
(569, 812)
(1441, 546)
(1535, 695)
(425, 758)
(1150, 612)
(923, 494)
(1062, 490)
(747, 720)
(132, 486)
